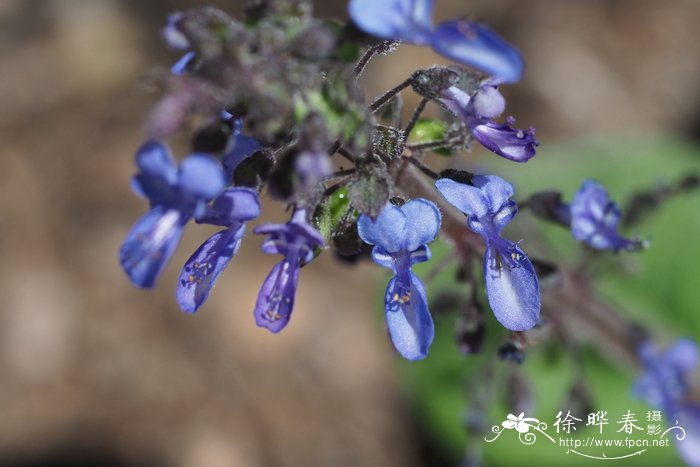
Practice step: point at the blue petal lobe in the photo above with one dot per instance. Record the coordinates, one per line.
(504, 215)
(476, 45)
(154, 160)
(154, 188)
(276, 298)
(457, 101)
(202, 176)
(201, 271)
(407, 317)
(513, 291)
(382, 258)
(683, 355)
(497, 191)
(468, 199)
(233, 206)
(407, 20)
(489, 102)
(387, 231)
(243, 147)
(420, 255)
(423, 222)
(150, 244)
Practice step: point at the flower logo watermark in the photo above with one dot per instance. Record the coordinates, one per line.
(529, 428)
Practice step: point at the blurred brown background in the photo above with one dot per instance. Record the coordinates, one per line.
(95, 370)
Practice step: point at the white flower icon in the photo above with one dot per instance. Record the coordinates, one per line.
(520, 423)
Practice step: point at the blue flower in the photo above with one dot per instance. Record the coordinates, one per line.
(594, 219)
(176, 194)
(478, 111)
(511, 283)
(296, 241)
(664, 385)
(464, 41)
(231, 209)
(399, 236)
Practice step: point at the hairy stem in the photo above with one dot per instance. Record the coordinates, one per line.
(384, 98)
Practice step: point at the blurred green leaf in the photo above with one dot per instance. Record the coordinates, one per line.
(657, 288)
(428, 130)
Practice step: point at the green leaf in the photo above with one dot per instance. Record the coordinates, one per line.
(428, 130)
(330, 212)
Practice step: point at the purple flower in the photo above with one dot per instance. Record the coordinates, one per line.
(399, 236)
(511, 283)
(232, 209)
(664, 384)
(478, 112)
(296, 241)
(594, 220)
(176, 194)
(464, 41)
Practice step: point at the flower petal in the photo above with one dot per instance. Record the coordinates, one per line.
(150, 244)
(172, 33)
(504, 215)
(201, 176)
(387, 231)
(201, 271)
(382, 258)
(468, 199)
(276, 298)
(242, 148)
(683, 355)
(420, 254)
(406, 20)
(408, 319)
(489, 102)
(476, 45)
(154, 160)
(233, 206)
(423, 222)
(180, 67)
(496, 190)
(500, 138)
(457, 101)
(513, 292)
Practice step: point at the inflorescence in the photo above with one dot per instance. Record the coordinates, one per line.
(278, 96)
(272, 100)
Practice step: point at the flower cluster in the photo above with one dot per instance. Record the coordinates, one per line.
(176, 195)
(272, 100)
